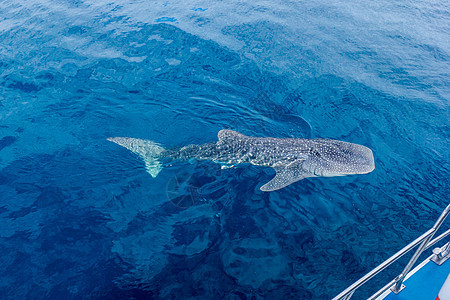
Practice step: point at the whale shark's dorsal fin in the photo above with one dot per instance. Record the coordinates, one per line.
(285, 176)
(226, 135)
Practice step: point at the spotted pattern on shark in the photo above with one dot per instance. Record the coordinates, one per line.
(293, 159)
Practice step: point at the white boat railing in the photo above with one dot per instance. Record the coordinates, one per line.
(396, 285)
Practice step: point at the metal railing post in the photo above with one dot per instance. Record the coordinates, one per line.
(425, 243)
(399, 280)
(348, 296)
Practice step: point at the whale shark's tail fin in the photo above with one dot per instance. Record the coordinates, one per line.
(147, 150)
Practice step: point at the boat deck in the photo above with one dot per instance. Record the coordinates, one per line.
(424, 282)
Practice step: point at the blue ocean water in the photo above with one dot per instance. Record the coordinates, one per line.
(80, 217)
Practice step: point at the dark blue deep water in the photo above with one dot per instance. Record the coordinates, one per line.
(80, 217)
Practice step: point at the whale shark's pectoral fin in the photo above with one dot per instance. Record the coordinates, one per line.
(284, 177)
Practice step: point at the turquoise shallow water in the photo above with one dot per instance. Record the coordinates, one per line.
(82, 219)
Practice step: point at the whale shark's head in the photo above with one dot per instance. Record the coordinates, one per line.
(336, 158)
(319, 157)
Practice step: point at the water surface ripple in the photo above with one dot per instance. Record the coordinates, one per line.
(80, 217)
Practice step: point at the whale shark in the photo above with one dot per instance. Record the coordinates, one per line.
(293, 159)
